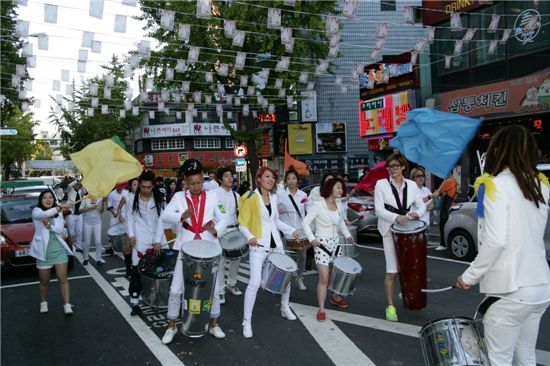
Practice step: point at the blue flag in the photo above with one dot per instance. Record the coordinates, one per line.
(435, 139)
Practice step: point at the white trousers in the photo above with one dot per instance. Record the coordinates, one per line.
(177, 290)
(389, 253)
(511, 331)
(257, 259)
(88, 231)
(232, 273)
(74, 226)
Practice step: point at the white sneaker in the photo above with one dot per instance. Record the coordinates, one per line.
(247, 328)
(217, 332)
(43, 307)
(68, 309)
(235, 291)
(440, 248)
(300, 284)
(286, 312)
(222, 298)
(169, 335)
(100, 260)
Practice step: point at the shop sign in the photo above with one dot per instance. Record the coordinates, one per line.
(175, 159)
(527, 26)
(267, 118)
(331, 137)
(186, 129)
(384, 115)
(317, 166)
(299, 139)
(436, 11)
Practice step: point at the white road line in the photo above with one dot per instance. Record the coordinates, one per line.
(430, 257)
(36, 282)
(149, 338)
(543, 357)
(338, 347)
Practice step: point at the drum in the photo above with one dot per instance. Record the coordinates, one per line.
(297, 244)
(156, 272)
(344, 275)
(234, 244)
(200, 259)
(116, 233)
(410, 246)
(168, 233)
(347, 249)
(278, 270)
(453, 342)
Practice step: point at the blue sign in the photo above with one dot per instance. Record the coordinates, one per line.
(8, 131)
(240, 162)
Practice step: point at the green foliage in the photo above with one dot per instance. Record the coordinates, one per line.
(17, 148)
(42, 151)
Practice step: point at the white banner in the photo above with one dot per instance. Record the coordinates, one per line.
(309, 107)
(186, 129)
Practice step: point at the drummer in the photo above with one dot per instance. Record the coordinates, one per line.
(393, 201)
(113, 200)
(143, 211)
(228, 199)
(133, 185)
(292, 208)
(326, 216)
(202, 219)
(259, 222)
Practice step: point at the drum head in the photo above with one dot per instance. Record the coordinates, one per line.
(283, 261)
(348, 265)
(158, 266)
(446, 322)
(201, 249)
(116, 230)
(232, 240)
(409, 226)
(301, 237)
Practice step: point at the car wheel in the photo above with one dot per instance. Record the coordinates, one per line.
(461, 245)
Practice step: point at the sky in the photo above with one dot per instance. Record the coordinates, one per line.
(65, 39)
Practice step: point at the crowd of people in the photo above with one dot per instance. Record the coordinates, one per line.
(511, 247)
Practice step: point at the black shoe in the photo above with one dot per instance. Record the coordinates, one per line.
(79, 250)
(136, 310)
(85, 263)
(128, 273)
(110, 251)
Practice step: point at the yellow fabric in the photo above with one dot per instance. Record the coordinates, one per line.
(544, 179)
(249, 213)
(490, 187)
(104, 164)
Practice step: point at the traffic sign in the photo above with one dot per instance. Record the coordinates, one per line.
(240, 165)
(240, 151)
(8, 131)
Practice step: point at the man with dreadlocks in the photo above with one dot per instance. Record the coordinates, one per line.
(199, 218)
(145, 228)
(511, 266)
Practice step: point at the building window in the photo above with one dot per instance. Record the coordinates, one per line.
(229, 143)
(387, 5)
(167, 144)
(207, 143)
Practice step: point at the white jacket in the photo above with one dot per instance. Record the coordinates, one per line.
(146, 227)
(39, 244)
(510, 236)
(383, 195)
(319, 216)
(270, 225)
(177, 206)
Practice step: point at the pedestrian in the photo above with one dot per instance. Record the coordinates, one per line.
(229, 203)
(292, 209)
(74, 221)
(91, 210)
(260, 223)
(159, 183)
(128, 193)
(418, 175)
(448, 195)
(394, 199)
(212, 182)
(49, 249)
(170, 189)
(201, 219)
(115, 217)
(326, 216)
(145, 229)
(511, 266)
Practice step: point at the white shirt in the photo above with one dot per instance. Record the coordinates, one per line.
(287, 211)
(227, 199)
(113, 199)
(91, 217)
(425, 191)
(146, 225)
(211, 185)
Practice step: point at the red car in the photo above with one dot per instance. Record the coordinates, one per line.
(17, 230)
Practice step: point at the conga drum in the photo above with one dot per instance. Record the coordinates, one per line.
(410, 246)
(200, 270)
(156, 272)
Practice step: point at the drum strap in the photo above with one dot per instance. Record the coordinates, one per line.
(295, 205)
(485, 304)
(236, 204)
(329, 253)
(197, 217)
(402, 208)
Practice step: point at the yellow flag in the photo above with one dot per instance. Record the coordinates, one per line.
(103, 165)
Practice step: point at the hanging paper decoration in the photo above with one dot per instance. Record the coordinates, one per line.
(240, 60)
(420, 44)
(65, 75)
(289, 2)
(164, 95)
(31, 61)
(209, 77)
(338, 80)
(20, 70)
(149, 84)
(204, 9)
(354, 75)
(492, 46)
(127, 105)
(95, 102)
(350, 8)
(109, 80)
(250, 91)
(143, 96)
(204, 115)
(322, 67)
(229, 99)
(505, 35)
(122, 113)
(254, 114)
(385, 78)
(237, 101)
(374, 54)
(176, 97)
(414, 57)
(458, 47)
(260, 99)
(310, 85)
(289, 47)
(194, 113)
(82, 55)
(135, 111)
(96, 47)
(22, 28)
(27, 50)
(178, 114)
(448, 59)
(185, 86)
(282, 64)
(184, 32)
(246, 110)
(271, 109)
(144, 49)
(238, 38)
(282, 93)
(219, 110)
(197, 96)
(382, 31)
(289, 101)
(332, 25)
(494, 23)
(303, 77)
(286, 35)
(22, 94)
(129, 2)
(264, 74)
(456, 23)
(104, 109)
(379, 43)
(430, 34)
(96, 9)
(24, 106)
(223, 70)
(43, 42)
(333, 51)
(151, 115)
(334, 40)
(408, 14)
(120, 23)
(244, 81)
(94, 88)
(134, 60)
(160, 106)
(129, 92)
(229, 27)
(278, 83)
(221, 89)
(28, 85)
(16, 81)
(229, 115)
(169, 73)
(106, 93)
(343, 89)
(180, 65)
(90, 112)
(167, 19)
(273, 18)
(207, 99)
(193, 55)
(87, 38)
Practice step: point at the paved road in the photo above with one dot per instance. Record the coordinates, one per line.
(103, 332)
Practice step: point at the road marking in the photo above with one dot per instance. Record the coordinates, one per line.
(429, 256)
(338, 347)
(543, 357)
(149, 338)
(37, 282)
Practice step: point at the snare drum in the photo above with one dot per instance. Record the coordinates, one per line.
(348, 249)
(453, 342)
(278, 270)
(344, 275)
(156, 272)
(117, 233)
(297, 244)
(410, 246)
(234, 244)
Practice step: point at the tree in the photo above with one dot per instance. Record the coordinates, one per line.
(17, 148)
(77, 129)
(263, 46)
(42, 151)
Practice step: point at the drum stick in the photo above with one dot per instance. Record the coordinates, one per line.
(438, 289)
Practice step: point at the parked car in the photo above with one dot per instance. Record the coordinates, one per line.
(461, 229)
(17, 230)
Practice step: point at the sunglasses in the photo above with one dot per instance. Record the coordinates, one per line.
(394, 166)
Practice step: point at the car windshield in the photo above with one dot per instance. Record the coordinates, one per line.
(18, 210)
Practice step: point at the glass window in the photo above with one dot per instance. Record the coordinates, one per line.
(387, 5)
(229, 143)
(162, 118)
(167, 144)
(207, 143)
(480, 44)
(446, 45)
(523, 40)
